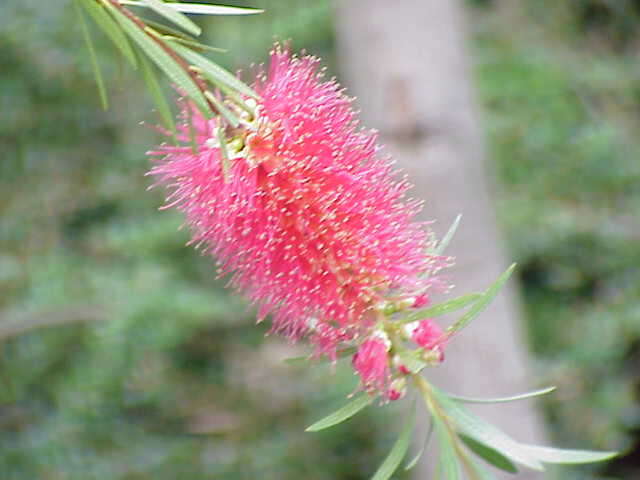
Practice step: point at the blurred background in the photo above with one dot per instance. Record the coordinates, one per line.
(121, 356)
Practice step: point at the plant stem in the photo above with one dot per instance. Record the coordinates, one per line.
(435, 409)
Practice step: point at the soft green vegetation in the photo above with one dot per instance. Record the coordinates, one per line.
(560, 95)
(121, 356)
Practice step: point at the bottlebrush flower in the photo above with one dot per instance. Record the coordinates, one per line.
(305, 212)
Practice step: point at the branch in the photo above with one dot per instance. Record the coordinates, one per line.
(15, 325)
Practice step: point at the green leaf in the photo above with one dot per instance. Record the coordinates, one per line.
(224, 156)
(167, 30)
(483, 302)
(162, 59)
(478, 472)
(448, 465)
(202, 9)
(399, 449)
(229, 116)
(442, 308)
(108, 25)
(193, 44)
(414, 461)
(158, 96)
(237, 99)
(342, 414)
(213, 72)
(565, 456)
(486, 433)
(102, 91)
(297, 360)
(172, 14)
(489, 454)
(522, 396)
(444, 243)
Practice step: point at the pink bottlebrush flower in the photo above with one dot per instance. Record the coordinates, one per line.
(308, 219)
(327, 338)
(371, 362)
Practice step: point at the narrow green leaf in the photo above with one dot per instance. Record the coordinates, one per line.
(298, 360)
(448, 466)
(193, 44)
(489, 454)
(158, 96)
(108, 25)
(102, 91)
(167, 30)
(202, 9)
(479, 472)
(237, 99)
(442, 308)
(399, 449)
(172, 14)
(522, 396)
(565, 456)
(222, 109)
(342, 414)
(214, 73)
(444, 243)
(162, 59)
(224, 157)
(486, 433)
(414, 461)
(483, 302)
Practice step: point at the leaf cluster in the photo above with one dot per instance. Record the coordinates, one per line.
(173, 49)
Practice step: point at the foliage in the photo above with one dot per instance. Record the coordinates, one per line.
(560, 94)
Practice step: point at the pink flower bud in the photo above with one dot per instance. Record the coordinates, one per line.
(428, 335)
(371, 362)
(402, 368)
(397, 390)
(421, 300)
(434, 356)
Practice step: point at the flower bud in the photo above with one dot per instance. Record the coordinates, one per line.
(426, 333)
(398, 389)
(371, 362)
(402, 368)
(421, 300)
(405, 303)
(433, 356)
